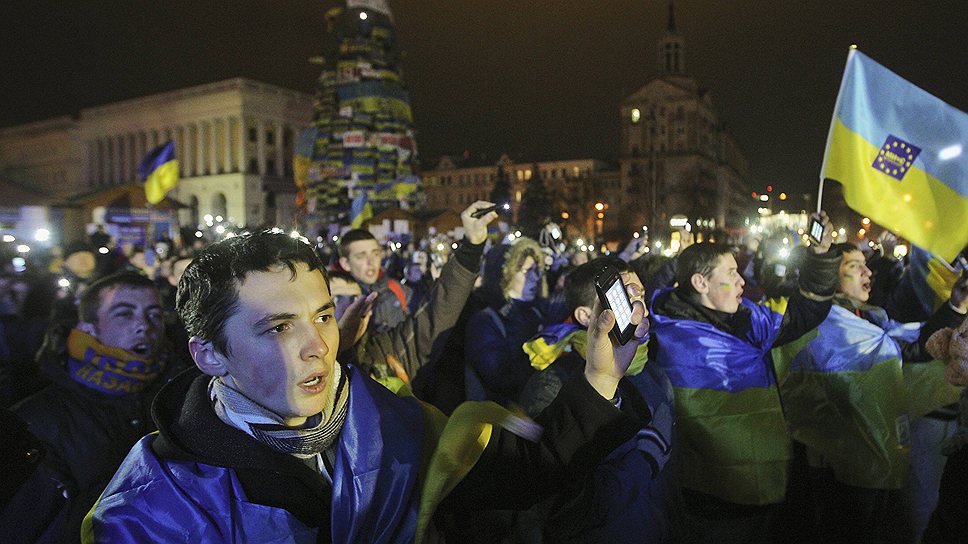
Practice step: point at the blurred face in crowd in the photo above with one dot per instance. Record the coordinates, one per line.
(282, 342)
(855, 277)
(177, 269)
(526, 283)
(130, 318)
(345, 293)
(81, 264)
(363, 261)
(721, 289)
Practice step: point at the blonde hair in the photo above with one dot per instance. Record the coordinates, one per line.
(520, 250)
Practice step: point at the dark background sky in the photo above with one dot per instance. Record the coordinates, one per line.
(537, 78)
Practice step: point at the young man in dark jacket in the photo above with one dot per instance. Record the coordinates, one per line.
(275, 440)
(96, 408)
(635, 491)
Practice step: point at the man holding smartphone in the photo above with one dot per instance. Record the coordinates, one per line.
(715, 346)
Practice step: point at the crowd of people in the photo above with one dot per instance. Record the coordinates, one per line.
(262, 388)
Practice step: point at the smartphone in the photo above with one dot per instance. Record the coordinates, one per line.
(816, 230)
(612, 293)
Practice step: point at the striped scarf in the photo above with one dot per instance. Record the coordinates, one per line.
(305, 441)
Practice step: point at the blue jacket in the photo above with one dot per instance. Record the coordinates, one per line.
(203, 481)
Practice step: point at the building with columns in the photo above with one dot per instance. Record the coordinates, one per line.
(676, 156)
(233, 139)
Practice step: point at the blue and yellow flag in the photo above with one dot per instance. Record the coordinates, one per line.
(897, 150)
(159, 169)
(360, 210)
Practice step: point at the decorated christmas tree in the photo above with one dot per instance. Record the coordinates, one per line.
(360, 145)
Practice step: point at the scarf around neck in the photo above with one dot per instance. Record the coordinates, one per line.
(304, 441)
(552, 341)
(108, 369)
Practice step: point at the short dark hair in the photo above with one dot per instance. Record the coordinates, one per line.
(208, 290)
(90, 301)
(580, 282)
(350, 236)
(841, 248)
(341, 275)
(698, 259)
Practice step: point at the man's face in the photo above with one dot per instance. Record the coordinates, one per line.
(283, 341)
(855, 277)
(725, 286)
(130, 318)
(81, 264)
(363, 261)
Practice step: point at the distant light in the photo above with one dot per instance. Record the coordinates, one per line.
(363, 15)
(19, 264)
(784, 252)
(335, 238)
(950, 152)
(764, 198)
(23, 248)
(208, 218)
(636, 115)
(871, 243)
(907, 197)
(103, 250)
(645, 228)
(230, 235)
(601, 215)
(453, 246)
(64, 282)
(635, 235)
(769, 188)
(440, 247)
(834, 234)
(646, 249)
(900, 251)
(843, 231)
(861, 233)
(599, 206)
(198, 234)
(564, 215)
(688, 227)
(220, 229)
(42, 235)
(783, 196)
(9, 238)
(517, 234)
(294, 234)
(678, 221)
(583, 247)
(866, 221)
(658, 245)
(218, 218)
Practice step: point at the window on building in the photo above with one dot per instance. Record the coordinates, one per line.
(271, 166)
(253, 134)
(270, 137)
(253, 166)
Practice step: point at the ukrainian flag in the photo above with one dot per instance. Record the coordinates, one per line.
(159, 169)
(897, 150)
(360, 210)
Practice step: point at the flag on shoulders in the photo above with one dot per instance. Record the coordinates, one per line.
(898, 152)
(159, 169)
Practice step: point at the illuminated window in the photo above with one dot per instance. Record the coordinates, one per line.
(636, 115)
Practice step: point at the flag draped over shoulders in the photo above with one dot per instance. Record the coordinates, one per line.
(159, 169)
(897, 151)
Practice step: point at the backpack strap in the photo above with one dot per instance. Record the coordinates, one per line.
(397, 290)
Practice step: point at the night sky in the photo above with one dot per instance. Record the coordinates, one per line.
(539, 79)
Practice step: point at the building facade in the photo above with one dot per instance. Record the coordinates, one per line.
(676, 156)
(233, 139)
(576, 185)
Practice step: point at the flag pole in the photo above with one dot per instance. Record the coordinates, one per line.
(833, 124)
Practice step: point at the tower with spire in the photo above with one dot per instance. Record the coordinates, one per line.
(676, 156)
(672, 47)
